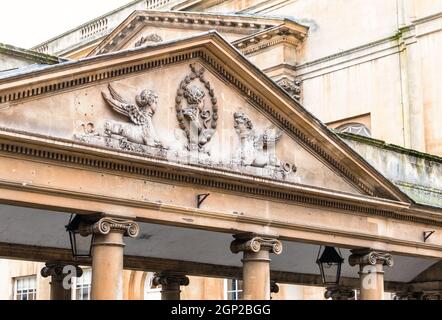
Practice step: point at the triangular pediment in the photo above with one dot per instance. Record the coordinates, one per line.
(196, 102)
(147, 27)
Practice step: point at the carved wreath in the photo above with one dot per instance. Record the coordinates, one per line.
(193, 95)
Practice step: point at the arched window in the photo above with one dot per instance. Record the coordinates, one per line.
(354, 128)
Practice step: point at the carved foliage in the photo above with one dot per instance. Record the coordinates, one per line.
(293, 87)
(195, 117)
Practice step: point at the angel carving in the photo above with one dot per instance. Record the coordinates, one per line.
(140, 130)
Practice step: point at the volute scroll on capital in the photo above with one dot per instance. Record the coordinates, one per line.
(256, 244)
(370, 257)
(170, 279)
(56, 270)
(106, 225)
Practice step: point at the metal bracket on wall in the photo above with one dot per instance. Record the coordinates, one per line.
(427, 235)
(200, 199)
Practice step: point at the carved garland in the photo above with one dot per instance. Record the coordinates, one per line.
(205, 133)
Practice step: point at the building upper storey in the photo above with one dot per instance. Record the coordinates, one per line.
(366, 63)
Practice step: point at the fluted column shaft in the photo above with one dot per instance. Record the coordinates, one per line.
(371, 272)
(256, 263)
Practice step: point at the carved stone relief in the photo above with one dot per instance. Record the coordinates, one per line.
(293, 87)
(196, 110)
(136, 135)
(257, 149)
(197, 119)
(153, 37)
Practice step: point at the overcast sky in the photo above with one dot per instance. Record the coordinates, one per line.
(26, 23)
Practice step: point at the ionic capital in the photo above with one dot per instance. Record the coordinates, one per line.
(254, 244)
(107, 224)
(170, 279)
(274, 288)
(339, 293)
(370, 257)
(57, 271)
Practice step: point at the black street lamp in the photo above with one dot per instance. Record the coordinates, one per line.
(330, 262)
(79, 236)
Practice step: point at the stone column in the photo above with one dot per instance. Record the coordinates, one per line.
(339, 293)
(371, 271)
(61, 279)
(107, 256)
(256, 263)
(170, 284)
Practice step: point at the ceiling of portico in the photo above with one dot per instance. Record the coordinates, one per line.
(41, 228)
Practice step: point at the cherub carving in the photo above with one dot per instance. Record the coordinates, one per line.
(141, 129)
(257, 149)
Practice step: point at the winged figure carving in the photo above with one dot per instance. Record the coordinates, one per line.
(256, 148)
(140, 129)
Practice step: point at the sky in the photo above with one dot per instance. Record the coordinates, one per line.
(26, 23)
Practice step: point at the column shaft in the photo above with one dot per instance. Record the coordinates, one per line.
(256, 275)
(256, 263)
(371, 271)
(107, 266)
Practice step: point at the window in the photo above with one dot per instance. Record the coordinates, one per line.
(233, 289)
(25, 288)
(83, 285)
(355, 128)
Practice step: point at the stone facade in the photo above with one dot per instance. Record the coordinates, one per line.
(159, 113)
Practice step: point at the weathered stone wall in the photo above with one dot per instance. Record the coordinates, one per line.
(417, 174)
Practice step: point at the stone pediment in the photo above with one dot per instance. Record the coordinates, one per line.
(195, 103)
(249, 34)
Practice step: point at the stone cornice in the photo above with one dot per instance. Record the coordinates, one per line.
(211, 50)
(282, 33)
(29, 54)
(76, 155)
(239, 24)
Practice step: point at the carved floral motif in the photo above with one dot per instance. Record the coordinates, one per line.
(293, 87)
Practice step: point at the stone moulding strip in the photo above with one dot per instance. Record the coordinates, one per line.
(95, 77)
(232, 185)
